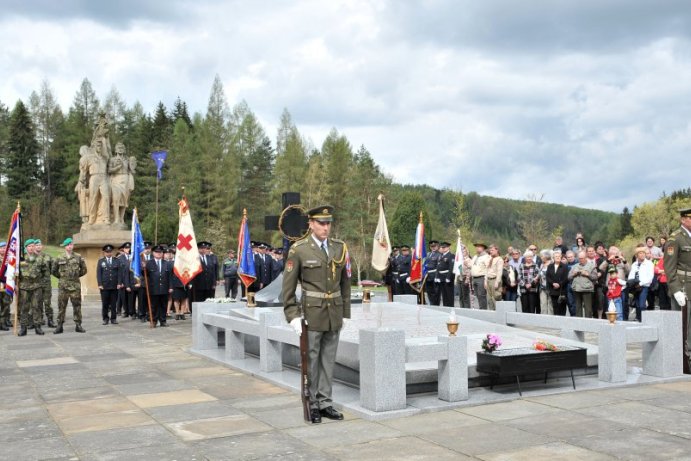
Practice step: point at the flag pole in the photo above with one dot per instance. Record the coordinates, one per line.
(146, 279)
(15, 299)
(156, 220)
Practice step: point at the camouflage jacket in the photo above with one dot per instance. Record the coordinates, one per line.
(32, 272)
(68, 269)
(49, 262)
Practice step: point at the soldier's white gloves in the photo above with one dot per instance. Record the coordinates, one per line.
(680, 297)
(296, 323)
(345, 322)
(407, 280)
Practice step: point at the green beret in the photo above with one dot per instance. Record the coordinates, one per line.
(66, 242)
(28, 242)
(37, 241)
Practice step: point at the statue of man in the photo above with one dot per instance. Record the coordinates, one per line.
(82, 187)
(99, 186)
(121, 182)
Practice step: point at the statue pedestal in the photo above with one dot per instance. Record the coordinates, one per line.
(89, 243)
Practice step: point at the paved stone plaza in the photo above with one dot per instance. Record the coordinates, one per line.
(128, 392)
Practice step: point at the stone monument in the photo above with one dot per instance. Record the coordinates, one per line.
(105, 183)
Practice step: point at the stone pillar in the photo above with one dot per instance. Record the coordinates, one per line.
(89, 244)
(611, 361)
(502, 307)
(453, 372)
(235, 345)
(382, 369)
(270, 352)
(663, 358)
(204, 337)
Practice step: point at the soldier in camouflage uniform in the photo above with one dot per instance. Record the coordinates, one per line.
(32, 272)
(68, 268)
(46, 288)
(5, 299)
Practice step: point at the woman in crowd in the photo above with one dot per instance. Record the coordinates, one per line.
(582, 277)
(528, 282)
(580, 245)
(640, 278)
(545, 299)
(557, 280)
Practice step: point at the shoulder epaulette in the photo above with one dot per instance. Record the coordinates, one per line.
(300, 242)
(675, 233)
(337, 241)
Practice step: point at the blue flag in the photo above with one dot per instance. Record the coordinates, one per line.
(137, 246)
(246, 271)
(159, 157)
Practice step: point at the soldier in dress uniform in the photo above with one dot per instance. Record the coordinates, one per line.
(142, 301)
(389, 278)
(32, 273)
(5, 299)
(405, 260)
(320, 265)
(445, 274)
(432, 284)
(107, 277)
(46, 289)
(159, 275)
(205, 282)
(68, 268)
(677, 264)
(126, 298)
(277, 263)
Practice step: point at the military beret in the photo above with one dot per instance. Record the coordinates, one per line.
(685, 212)
(66, 242)
(28, 242)
(37, 241)
(323, 213)
(108, 247)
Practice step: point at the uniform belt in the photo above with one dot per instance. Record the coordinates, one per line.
(320, 295)
(687, 273)
(443, 272)
(429, 271)
(402, 274)
(478, 276)
(394, 273)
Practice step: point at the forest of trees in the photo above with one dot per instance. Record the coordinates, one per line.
(227, 161)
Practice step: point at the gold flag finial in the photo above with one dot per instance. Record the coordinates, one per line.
(244, 212)
(421, 216)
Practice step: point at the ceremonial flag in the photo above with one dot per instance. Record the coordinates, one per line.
(458, 261)
(187, 263)
(381, 249)
(9, 270)
(417, 266)
(246, 271)
(137, 246)
(159, 157)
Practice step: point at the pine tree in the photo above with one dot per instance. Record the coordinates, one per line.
(338, 159)
(4, 136)
(406, 217)
(162, 129)
(291, 159)
(180, 112)
(87, 104)
(625, 225)
(23, 170)
(114, 107)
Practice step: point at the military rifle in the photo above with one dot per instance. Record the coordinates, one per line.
(304, 377)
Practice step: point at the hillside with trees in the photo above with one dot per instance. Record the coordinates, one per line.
(227, 161)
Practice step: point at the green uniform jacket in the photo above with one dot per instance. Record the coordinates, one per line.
(49, 262)
(320, 278)
(68, 269)
(32, 273)
(678, 258)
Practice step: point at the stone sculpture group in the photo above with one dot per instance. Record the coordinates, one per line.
(105, 180)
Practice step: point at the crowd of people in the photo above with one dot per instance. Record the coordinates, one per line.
(122, 293)
(581, 280)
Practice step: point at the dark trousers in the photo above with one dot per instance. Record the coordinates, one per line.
(143, 307)
(125, 302)
(529, 302)
(641, 300)
(559, 307)
(464, 295)
(433, 291)
(447, 293)
(159, 304)
(662, 294)
(231, 286)
(109, 300)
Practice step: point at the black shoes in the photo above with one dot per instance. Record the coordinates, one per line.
(22, 331)
(79, 328)
(105, 322)
(58, 330)
(315, 416)
(38, 330)
(163, 324)
(331, 413)
(4, 328)
(114, 322)
(50, 323)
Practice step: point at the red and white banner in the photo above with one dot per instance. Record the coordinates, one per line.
(187, 263)
(9, 270)
(381, 248)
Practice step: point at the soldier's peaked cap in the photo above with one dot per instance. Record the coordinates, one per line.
(445, 244)
(147, 244)
(685, 212)
(433, 242)
(405, 247)
(323, 213)
(125, 245)
(157, 248)
(107, 247)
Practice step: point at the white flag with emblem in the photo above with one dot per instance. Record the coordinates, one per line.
(187, 264)
(381, 249)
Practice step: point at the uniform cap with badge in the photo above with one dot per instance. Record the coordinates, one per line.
(323, 213)
(107, 248)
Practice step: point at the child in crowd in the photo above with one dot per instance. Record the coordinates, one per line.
(614, 287)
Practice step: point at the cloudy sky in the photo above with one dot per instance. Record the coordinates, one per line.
(587, 102)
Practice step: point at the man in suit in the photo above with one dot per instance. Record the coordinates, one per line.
(205, 282)
(159, 275)
(321, 265)
(108, 283)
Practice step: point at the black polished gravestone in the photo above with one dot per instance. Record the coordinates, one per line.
(292, 222)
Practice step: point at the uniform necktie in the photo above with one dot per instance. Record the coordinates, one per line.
(109, 261)
(326, 252)
(158, 262)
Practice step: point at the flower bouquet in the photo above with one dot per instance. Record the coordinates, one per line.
(542, 345)
(491, 343)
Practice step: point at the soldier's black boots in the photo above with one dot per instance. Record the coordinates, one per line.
(38, 330)
(22, 331)
(3, 328)
(58, 330)
(79, 328)
(50, 323)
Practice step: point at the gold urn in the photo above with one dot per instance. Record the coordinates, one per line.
(250, 299)
(452, 327)
(612, 317)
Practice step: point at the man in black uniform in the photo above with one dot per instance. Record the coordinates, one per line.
(277, 263)
(159, 275)
(445, 273)
(393, 268)
(205, 282)
(432, 283)
(125, 293)
(108, 282)
(404, 263)
(143, 303)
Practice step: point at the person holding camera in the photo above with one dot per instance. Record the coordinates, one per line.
(640, 278)
(583, 276)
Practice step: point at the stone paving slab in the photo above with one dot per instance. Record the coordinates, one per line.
(161, 399)
(395, 449)
(222, 426)
(557, 451)
(104, 421)
(46, 362)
